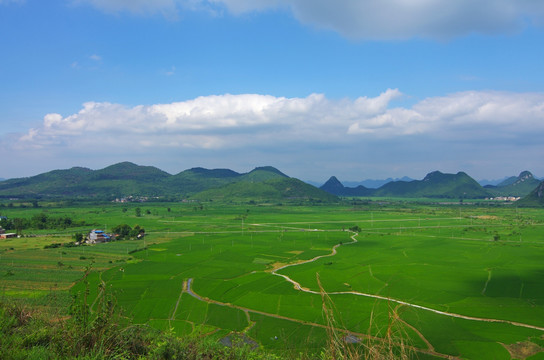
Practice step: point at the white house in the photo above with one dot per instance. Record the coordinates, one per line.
(97, 236)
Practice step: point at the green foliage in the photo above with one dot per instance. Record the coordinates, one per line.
(102, 333)
(78, 237)
(40, 221)
(355, 229)
(124, 231)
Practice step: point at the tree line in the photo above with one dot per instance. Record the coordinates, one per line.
(40, 221)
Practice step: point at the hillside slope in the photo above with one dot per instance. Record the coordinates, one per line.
(535, 198)
(115, 180)
(520, 185)
(278, 188)
(128, 179)
(435, 185)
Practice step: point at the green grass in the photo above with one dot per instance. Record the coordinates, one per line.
(440, 257)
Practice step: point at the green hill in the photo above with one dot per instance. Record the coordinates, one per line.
(262, 174)
(198, 179)
(520, 185)
(128, 179)
(435, 185)
(279, 188)
(535, 198)
(117, 180)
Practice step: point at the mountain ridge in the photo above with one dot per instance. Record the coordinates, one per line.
(434, 184)
(128, 179)
(520, 185)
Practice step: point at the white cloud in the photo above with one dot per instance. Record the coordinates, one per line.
(235, 121)
(402, 19)
(462, 116)
(95, 57)
(366, 19)
(462, 131)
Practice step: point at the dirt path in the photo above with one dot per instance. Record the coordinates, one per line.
(188, 290)
(183, 289)
(297, 286)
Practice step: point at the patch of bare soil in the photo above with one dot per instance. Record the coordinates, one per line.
(523, 350)
(486, 217)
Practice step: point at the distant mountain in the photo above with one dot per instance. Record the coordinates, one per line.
(335, 187)
(128, 179)
(435, 184)
(535, 197)
(494, 182)
(125, 179)
(374, 184)
(2, 179)
(520, 185)
(116, 180)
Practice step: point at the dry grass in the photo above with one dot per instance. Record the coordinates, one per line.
(393, 345)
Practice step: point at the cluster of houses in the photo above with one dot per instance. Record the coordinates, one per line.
(131, 199)
(4, 235)
(505, 198)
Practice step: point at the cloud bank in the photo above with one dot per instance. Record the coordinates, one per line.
(367, 19)
(481, 132)
(252, 120)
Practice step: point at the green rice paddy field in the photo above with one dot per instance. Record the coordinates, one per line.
(458, 281)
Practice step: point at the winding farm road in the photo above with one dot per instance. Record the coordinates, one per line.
(297, 286)
(429, 351)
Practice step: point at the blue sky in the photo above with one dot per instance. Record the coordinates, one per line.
(357, 89)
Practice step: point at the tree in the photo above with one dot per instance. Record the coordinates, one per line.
(78, 237)
(137, 232)
(355, 228)
(18, 223)
(122, 231)
(138, 212)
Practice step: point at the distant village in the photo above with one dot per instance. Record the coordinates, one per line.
(504, 198)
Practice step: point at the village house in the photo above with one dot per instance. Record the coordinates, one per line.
(4, 235)
(97, 236)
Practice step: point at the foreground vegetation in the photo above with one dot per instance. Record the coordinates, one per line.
(456, 280)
